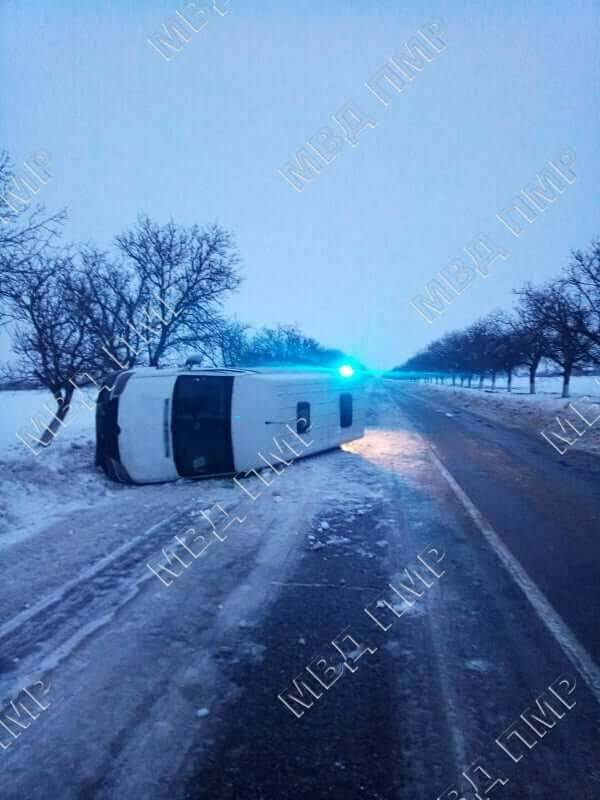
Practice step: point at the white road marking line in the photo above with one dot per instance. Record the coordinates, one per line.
(564, 636)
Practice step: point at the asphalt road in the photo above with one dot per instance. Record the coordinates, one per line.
(480, 646)
(489, 539)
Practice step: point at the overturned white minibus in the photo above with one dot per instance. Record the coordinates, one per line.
(155, 425)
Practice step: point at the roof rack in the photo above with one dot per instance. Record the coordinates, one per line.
(193, 361)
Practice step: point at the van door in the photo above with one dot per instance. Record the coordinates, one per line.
(201, 425)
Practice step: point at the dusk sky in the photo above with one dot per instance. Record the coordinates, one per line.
(202, 138)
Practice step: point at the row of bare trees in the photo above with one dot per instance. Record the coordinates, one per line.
(77, 312)
(286, 345)
(557, 322)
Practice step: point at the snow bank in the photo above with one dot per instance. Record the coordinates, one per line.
(538, 413)
(39, 485)
(580, 386)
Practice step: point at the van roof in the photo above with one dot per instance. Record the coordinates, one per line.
(265, 372)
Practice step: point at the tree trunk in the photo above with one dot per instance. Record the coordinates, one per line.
(493, 380)
(532, 371)
(567, 381)
(481, 381)
(509, 383)
(63, 404)
(453, 380)
(469, 379)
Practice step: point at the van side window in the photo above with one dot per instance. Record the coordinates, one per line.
(302, 417)
(345, 410)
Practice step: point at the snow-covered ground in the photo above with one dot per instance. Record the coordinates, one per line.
(39, 487)
(580, 386)
(153, 681)
(43, 489)
(543, 412)
(34, 489)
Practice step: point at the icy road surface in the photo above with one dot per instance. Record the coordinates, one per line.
(177, 691)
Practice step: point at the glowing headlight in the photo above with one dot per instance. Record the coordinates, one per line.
(346, 371)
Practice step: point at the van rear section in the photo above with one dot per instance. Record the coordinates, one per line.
(107, 427)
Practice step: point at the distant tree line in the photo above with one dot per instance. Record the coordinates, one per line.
(284, 345)
(76, 312)
(558, 322)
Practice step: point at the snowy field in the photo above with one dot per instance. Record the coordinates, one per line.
(21, 409)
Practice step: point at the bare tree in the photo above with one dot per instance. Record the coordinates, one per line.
(511, 354)
(479, 343)
(103, 294)
(561, 319)
(583, 281)
(231, 344)
(452, 355)
(50, 341)
(179, 278)
(24, 233)
(494, 355)
(533, 333)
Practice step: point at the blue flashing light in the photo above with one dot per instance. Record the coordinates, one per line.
(346, 371)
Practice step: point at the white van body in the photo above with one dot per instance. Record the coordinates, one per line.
(155, 425)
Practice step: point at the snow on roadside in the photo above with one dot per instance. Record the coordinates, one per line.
(536, 413)
(39, 491)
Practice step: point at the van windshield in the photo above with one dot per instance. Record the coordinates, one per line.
(201, 425)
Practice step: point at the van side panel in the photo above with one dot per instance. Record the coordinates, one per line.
(265, 416)
(254, 420)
